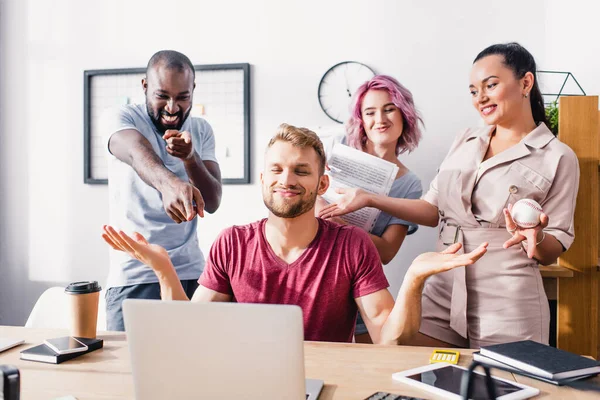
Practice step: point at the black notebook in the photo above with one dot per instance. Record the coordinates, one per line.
(494, 363)
(541, 360)
(45, 354)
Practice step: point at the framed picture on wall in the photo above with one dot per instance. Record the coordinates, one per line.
(222, 97)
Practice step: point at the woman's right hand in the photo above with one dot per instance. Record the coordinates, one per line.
(352, 199)
(153, 255)
(531, 235)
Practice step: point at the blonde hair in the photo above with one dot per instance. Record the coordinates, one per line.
(301, 137)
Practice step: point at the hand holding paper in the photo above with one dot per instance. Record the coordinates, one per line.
(353, 176)
(346, 200)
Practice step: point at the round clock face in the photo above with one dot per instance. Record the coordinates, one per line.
(338, 85)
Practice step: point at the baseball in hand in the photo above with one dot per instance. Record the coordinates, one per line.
(526, 213)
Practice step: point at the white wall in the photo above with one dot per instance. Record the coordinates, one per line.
(50, 221)
(573, 41)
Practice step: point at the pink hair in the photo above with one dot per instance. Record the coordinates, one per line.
(402, 98)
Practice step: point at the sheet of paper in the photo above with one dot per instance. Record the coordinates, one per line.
(352, 168)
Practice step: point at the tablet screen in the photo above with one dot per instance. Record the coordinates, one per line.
(449, 378)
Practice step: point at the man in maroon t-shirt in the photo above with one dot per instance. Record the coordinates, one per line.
(331, 271)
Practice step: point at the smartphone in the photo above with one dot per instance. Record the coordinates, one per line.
(65, 345)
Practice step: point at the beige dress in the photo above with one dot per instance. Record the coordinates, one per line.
(500, 298)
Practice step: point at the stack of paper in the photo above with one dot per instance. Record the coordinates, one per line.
(352, 168)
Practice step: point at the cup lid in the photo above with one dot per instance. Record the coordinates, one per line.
(83, 287)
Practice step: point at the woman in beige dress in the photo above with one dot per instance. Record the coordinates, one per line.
(500, 298)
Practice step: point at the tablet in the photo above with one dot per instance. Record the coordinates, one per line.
(444, 380)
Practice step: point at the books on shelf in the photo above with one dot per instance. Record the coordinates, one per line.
(45, 354)
(538, 360)
(352, 168)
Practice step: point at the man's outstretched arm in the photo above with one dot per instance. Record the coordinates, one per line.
(132, 148)
(157, 258)
(204, 174)
(205, 295)
(397, 322)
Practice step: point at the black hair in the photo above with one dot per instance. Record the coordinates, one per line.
(520, 61)
(172, 60)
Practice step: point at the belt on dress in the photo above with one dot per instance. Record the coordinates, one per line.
(455, 233)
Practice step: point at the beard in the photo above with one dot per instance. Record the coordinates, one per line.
(155, 118)
(283, 209)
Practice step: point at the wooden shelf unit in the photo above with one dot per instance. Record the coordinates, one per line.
(578, 296)
(555, 271)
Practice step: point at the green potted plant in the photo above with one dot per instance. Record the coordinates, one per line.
(552, 116)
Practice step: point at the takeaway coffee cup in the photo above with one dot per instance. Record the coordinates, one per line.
(84, 298)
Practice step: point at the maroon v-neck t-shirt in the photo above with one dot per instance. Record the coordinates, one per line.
(339, 265)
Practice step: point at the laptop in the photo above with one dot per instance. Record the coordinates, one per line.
(184, 350)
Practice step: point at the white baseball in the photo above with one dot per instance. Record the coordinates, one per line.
(526, 213)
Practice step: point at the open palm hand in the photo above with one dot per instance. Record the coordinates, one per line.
(138, 247)
(432, 263)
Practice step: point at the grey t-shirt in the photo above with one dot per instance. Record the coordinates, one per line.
(137, 207)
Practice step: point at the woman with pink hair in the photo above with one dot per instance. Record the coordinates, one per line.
(385, 124)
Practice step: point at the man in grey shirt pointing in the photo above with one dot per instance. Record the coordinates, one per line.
(162, 175)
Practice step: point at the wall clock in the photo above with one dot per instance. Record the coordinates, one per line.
(338, 85)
